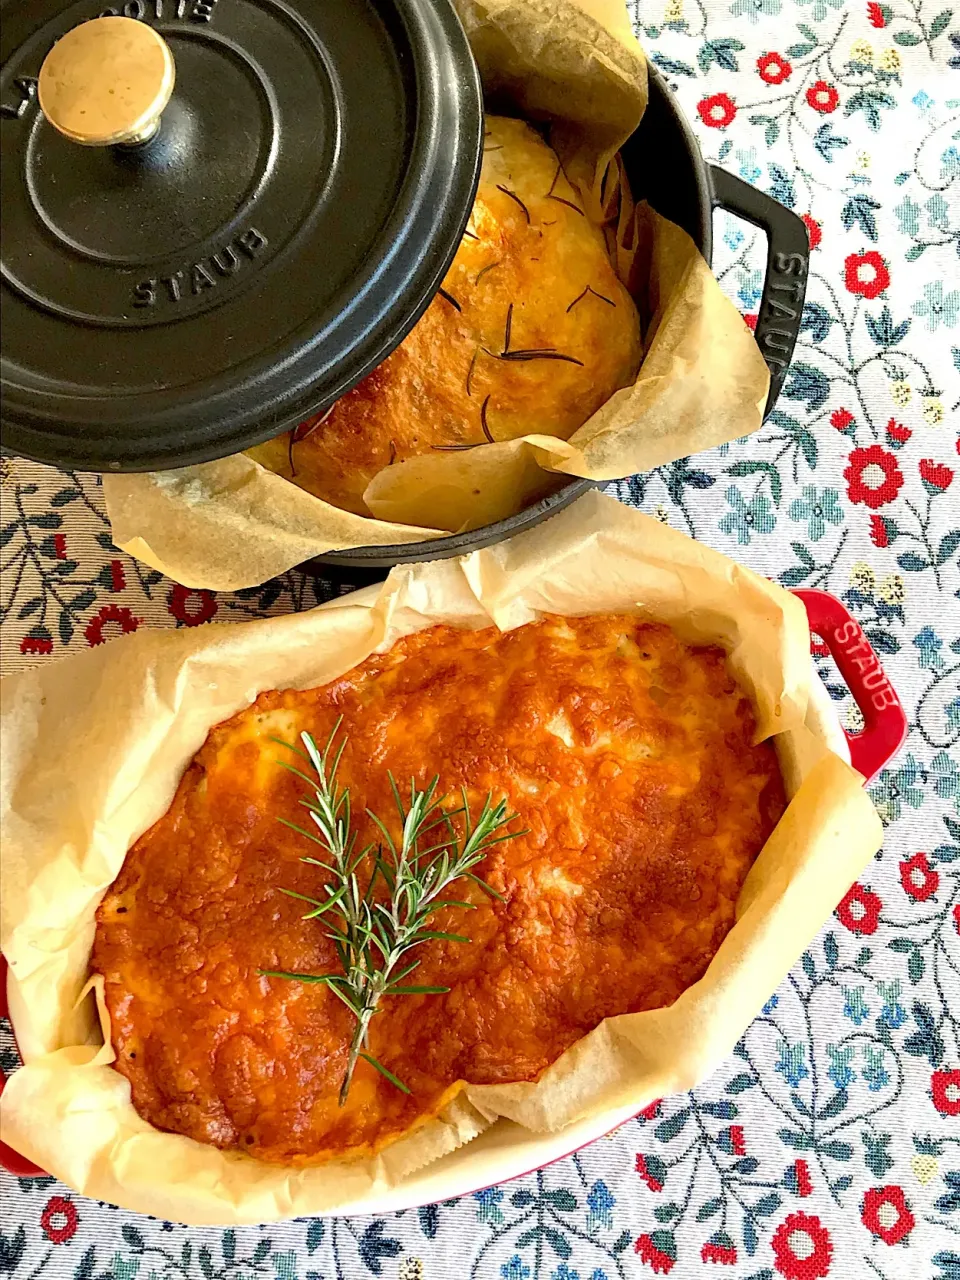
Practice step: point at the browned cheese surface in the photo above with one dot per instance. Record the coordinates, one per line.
(529, 251)
(629, 759)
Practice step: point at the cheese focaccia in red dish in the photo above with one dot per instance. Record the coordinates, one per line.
(629, 759)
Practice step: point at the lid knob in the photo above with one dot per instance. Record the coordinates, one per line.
(106, 82)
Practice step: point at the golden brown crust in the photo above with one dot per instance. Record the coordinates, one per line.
(530, 261)
(629, 759)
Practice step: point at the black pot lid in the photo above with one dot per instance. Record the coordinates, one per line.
(174, 300)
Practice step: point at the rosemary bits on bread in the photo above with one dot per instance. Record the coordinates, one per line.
(532, 332)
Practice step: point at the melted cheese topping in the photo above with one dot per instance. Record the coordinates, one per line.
(629, 759)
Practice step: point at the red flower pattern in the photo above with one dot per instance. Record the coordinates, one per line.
(918, 878)
(898, 433)
(873, 476)
(653, 1183)
(880, 530)
(885, 1213)
(876, 15)
(802, 1248)
(118, 578)
(945, 1088)
(658, 1251)
(719, 1248)
(651, 1110)
(115, 613)
(60, 546)
(59, 1219)
(717, 111)
(773, 69)
(737, 1144)
(823, 97)
(841, 419)
(192, 607)
(801, 1174)
(936, 477)
(866, 274)
(36, 644)
(814, 230)
(860, 910)
(956, 917)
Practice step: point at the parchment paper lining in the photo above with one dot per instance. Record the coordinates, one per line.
(95, 746)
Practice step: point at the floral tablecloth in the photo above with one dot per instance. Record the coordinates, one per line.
(829, 1144)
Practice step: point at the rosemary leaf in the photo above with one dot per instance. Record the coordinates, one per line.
(569, 203)
(488, 888)
(580, 296)
(292, 768)
(330, 979)
(485, 426)
(540, 353)
(319, 907)
(315, 862)
(368, 1057)
(300, 831)
(302, 896)
(513, 196)
(473, 365)
(416, 991)
(405, 973)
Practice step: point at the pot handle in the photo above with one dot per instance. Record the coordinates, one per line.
(885, 722)
(788, 259)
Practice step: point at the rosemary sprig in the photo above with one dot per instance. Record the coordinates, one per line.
(374, 928)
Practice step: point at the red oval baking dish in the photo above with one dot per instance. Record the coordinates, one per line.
(884, 731)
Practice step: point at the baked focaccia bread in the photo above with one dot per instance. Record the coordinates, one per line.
(531, 332)
(629, 759)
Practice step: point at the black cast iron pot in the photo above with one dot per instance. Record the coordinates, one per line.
(665, 168)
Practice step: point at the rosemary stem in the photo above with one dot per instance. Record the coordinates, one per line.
(356, 1045)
